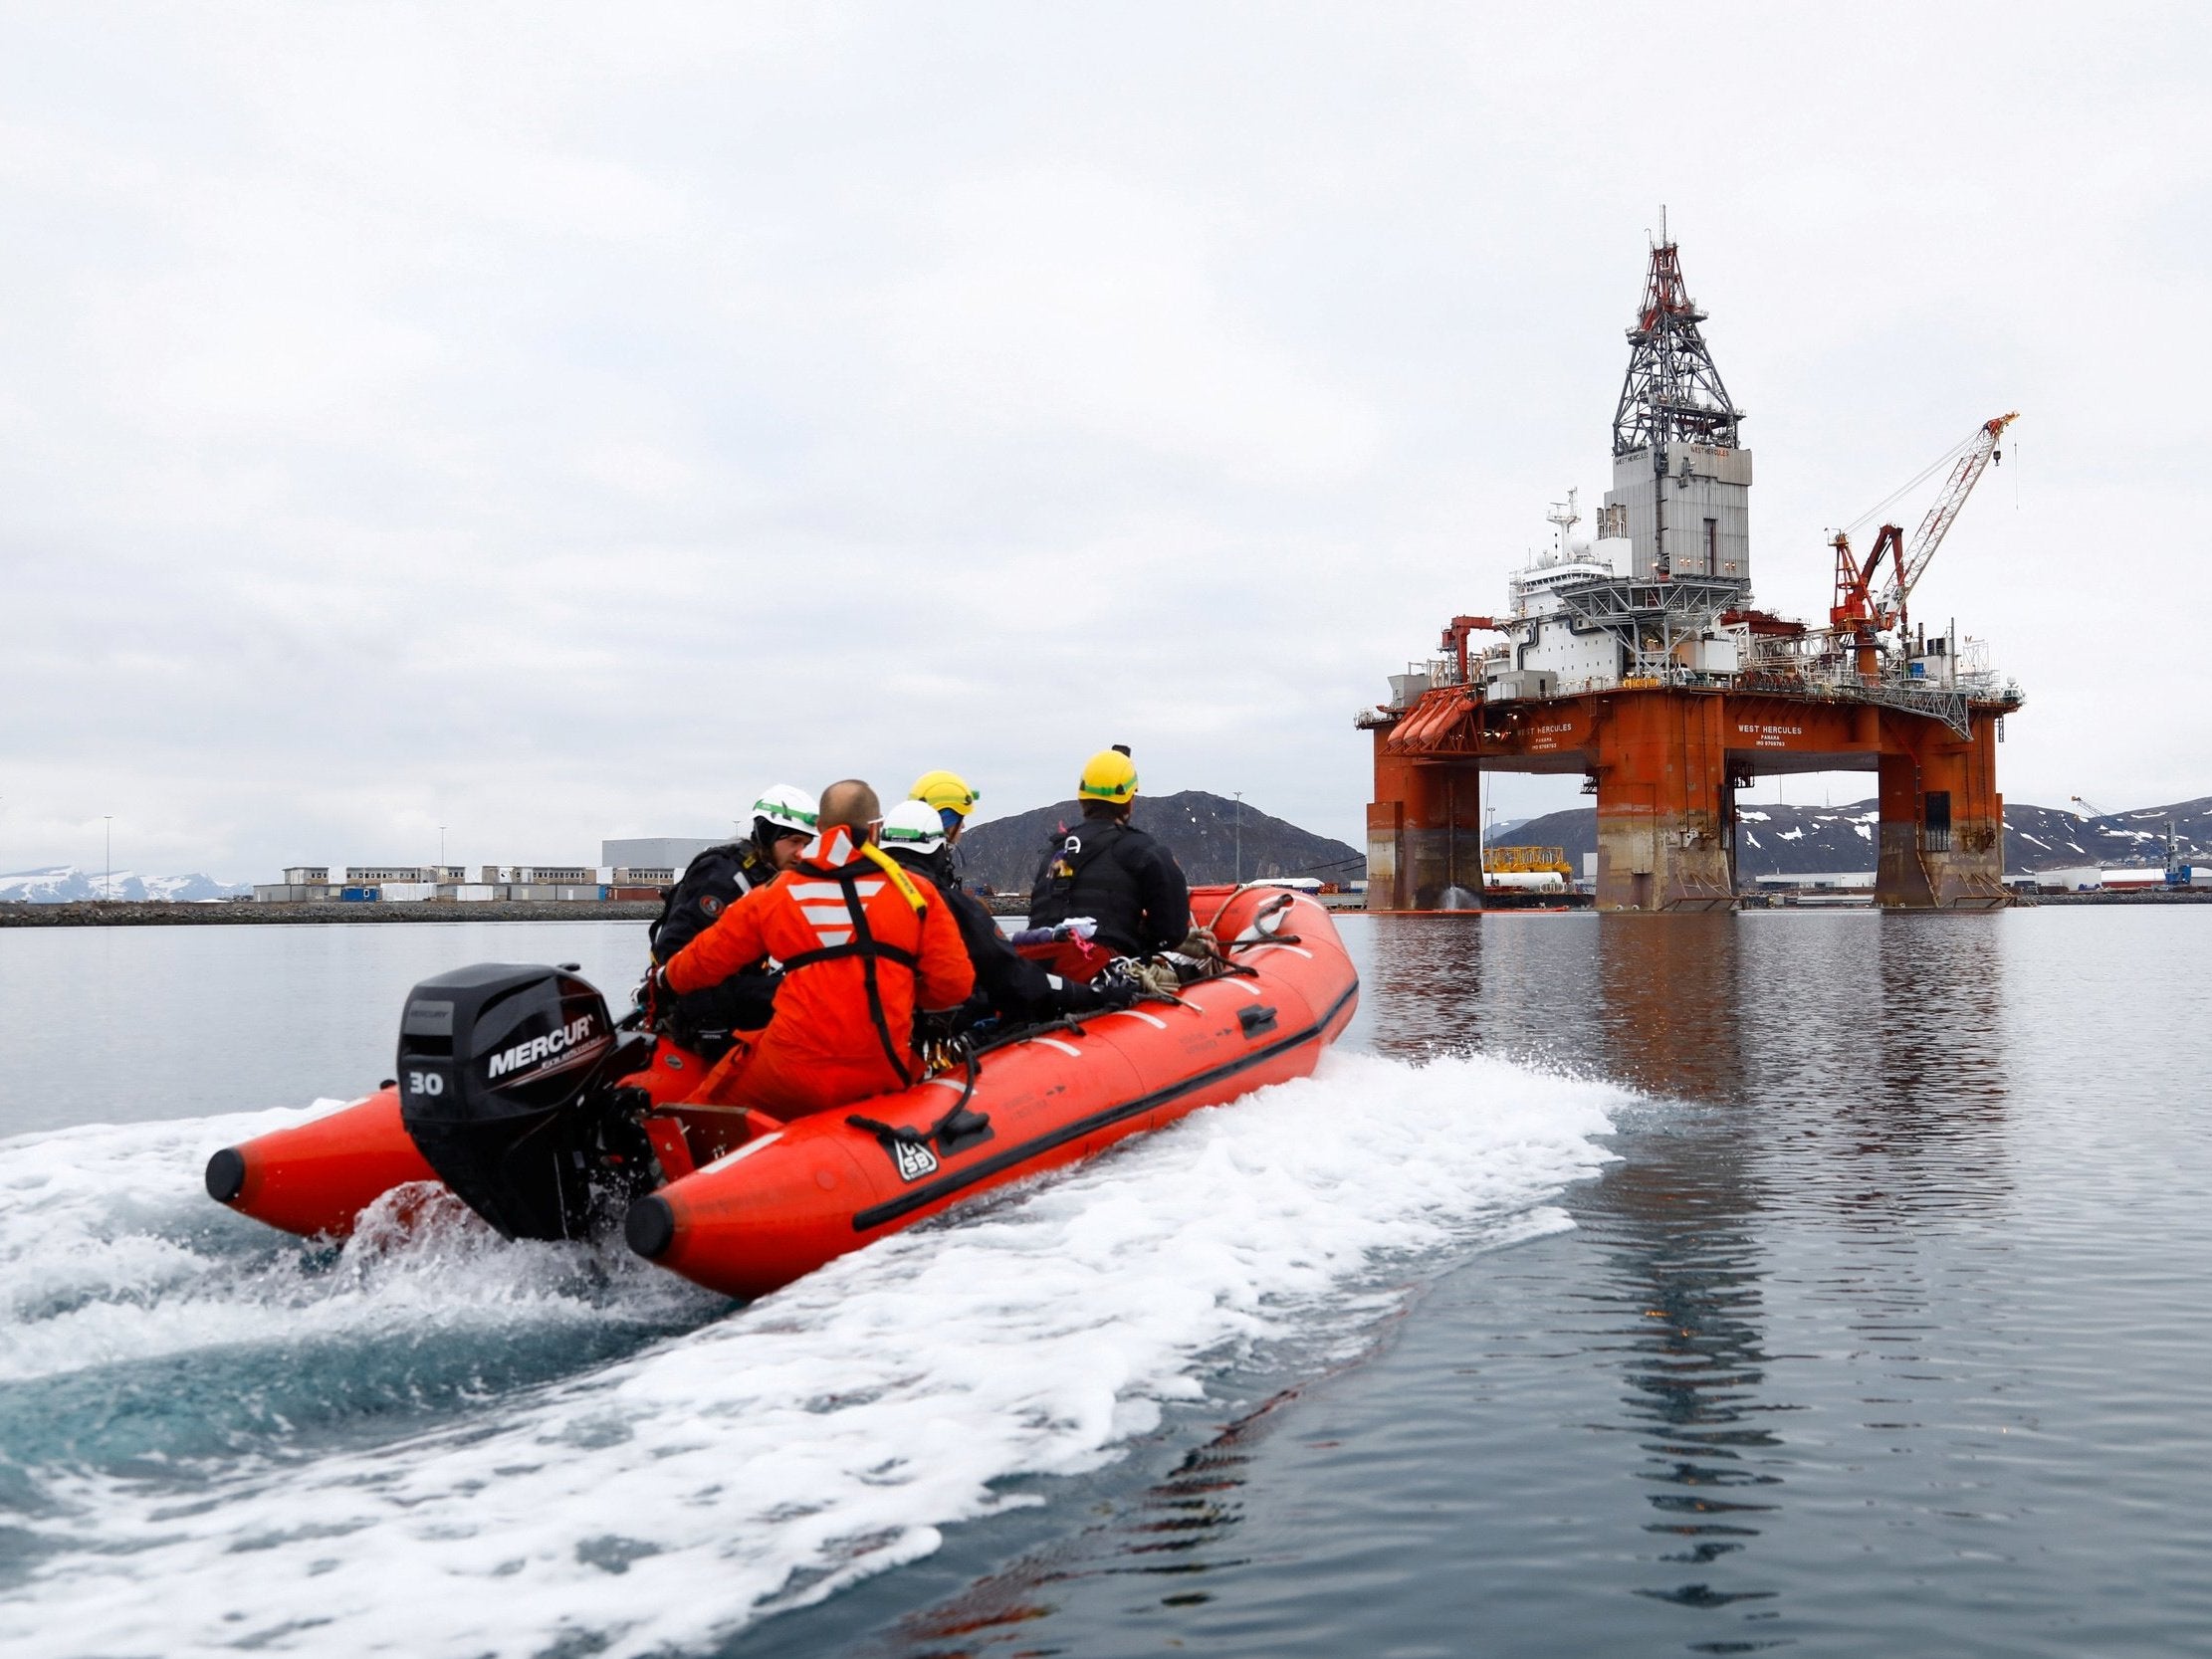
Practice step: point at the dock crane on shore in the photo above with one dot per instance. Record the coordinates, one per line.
(1861, 614)
(2178, 874)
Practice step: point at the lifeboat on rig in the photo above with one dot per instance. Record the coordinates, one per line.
(517, 1094)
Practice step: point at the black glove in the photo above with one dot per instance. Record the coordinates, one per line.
(1070, 997)
(1105, 996)
(751, 999)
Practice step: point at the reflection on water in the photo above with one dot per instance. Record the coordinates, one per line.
(1677, 1014)
(1844, 1355)
(1696, 1399)
(1170, 1536)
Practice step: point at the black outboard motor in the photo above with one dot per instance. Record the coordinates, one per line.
(506, 1075)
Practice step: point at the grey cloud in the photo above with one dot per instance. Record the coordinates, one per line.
(553, 426)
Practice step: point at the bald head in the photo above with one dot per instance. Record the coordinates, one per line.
(851, 803)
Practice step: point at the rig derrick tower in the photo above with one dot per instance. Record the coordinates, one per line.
(1639, 661)
(1674, 413)
(1672, 391)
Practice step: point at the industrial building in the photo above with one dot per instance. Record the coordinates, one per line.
(416, 884)
(638, 867)
(654, 852)
(1638, 658)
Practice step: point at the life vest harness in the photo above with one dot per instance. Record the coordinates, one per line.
(1090, 876)
(866, 946)
(1078, 853)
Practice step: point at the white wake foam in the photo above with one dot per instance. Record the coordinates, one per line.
(111, 1253)
(827, 1433)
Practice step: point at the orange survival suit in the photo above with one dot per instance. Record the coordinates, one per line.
(861, 947)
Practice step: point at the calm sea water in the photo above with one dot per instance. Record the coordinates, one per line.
(1628, 1285)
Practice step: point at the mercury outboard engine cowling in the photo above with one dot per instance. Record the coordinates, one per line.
(505, 1084)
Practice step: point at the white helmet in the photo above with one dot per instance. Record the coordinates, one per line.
(912, 826)
(788, 809)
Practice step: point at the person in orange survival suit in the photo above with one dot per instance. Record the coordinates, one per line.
(862, 944)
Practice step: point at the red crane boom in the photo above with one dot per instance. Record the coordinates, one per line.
(1906, 575)
(1859, 613)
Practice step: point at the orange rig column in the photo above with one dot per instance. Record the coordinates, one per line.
(1942, 829)
(1666, 813)
(1424, 832)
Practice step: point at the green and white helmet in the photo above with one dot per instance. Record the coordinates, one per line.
(911, 826)
(787, 810)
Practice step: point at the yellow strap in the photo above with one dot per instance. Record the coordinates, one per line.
(899, 878)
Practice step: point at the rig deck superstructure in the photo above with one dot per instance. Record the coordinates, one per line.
(1669, 690)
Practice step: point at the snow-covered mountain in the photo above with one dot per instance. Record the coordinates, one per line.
(1772, 839)
(2050, 838)
(65, 884)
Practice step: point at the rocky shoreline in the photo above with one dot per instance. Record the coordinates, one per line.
(154, 913)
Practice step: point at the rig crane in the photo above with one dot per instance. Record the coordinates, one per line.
(1455, 638)
(1859, 613)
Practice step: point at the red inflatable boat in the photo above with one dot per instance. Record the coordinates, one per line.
(517, 1094)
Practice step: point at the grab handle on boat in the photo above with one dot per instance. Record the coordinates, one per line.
(957, 1127)
(1257, 1020)
(951, 1131)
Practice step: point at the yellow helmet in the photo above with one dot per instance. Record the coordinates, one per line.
(1109, 775)
(949, 793)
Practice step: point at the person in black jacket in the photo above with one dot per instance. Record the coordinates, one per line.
(707, 1020)
(1009, 985)
(1112, 872)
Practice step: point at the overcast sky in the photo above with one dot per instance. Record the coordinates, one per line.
(554, 423)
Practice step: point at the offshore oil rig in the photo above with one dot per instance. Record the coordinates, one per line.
(1638, 658)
